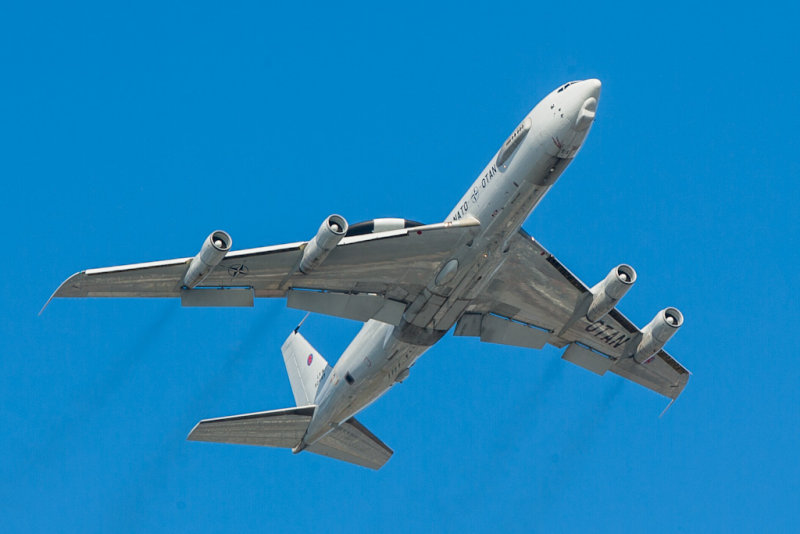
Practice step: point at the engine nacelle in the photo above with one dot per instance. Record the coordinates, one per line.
(655, 335)
(214, 248)
(332, 231)
(607, 293)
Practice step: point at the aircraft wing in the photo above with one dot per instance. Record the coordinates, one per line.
(365, 276)
(533, 288)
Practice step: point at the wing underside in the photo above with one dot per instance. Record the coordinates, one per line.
(534, 298)
(531, 300)
(395, 265)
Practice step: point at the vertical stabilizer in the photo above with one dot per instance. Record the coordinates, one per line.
(306, 367)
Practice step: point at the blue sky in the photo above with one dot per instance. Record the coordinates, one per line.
(130, 132)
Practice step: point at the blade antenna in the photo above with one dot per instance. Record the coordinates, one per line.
(662, 413)
(297, 328)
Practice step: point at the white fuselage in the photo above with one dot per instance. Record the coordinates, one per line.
(501, 198)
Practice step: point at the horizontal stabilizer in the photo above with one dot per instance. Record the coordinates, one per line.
(352, 442)
(276, 428)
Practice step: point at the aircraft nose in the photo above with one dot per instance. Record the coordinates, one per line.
(589, 92)
(591, 88)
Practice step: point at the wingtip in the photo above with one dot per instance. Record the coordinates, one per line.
(45, 304)
(677, 390)
(55, 293)
(189, 436)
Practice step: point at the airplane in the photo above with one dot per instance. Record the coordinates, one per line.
(477, 273)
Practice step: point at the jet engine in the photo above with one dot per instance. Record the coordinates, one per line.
(214, 248)
(655, 335)
(607, 293)
(332, 231)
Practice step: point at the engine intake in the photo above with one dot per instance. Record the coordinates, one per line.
(332, 230)
(607, 293)
(214, 248)
(657, 333)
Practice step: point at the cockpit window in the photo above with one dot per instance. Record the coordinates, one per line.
(565, 86)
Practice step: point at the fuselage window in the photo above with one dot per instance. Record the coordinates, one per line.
(349, 378)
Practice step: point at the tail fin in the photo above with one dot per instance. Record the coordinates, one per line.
(350, 441)
(306, 367)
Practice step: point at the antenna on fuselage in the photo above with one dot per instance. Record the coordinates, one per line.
(297, 328)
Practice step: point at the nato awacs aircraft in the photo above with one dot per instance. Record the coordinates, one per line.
(410, 284)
